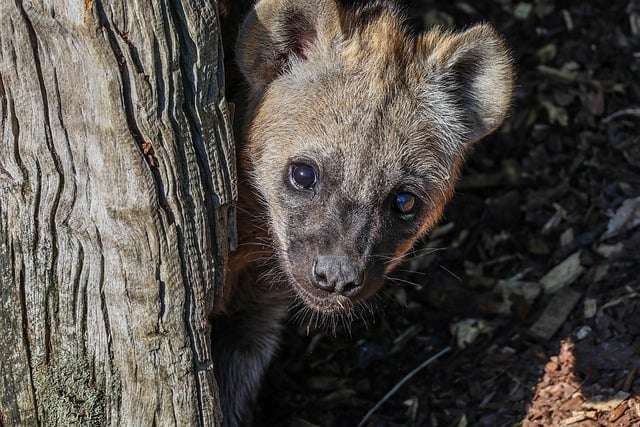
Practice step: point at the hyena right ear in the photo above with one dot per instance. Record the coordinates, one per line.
(275, 33)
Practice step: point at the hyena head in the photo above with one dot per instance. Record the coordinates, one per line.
(357, 134)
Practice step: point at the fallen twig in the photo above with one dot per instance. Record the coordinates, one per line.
(403, 381)
(626, 112)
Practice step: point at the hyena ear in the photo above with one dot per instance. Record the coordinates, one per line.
(274, 33)
(475, 71)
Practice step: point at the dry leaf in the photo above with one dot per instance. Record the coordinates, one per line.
(625, 218)
(563, 274)
(555, 314)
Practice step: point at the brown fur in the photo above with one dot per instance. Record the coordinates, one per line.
(377, 111)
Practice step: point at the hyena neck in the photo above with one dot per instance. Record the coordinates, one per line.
(251, 260)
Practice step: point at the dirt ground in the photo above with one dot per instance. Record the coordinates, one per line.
(532, 278)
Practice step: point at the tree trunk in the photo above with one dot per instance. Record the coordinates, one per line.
(117, 175)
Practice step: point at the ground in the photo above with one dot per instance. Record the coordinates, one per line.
(533, 276)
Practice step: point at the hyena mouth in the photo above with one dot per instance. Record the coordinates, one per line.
(328, 304)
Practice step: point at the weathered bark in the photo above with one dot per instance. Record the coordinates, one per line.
(110, 255)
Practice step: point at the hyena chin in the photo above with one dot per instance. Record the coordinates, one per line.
(355, 135)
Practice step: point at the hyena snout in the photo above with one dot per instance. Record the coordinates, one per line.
(336, 273)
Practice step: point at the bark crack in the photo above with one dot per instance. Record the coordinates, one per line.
(103, 301)
(33, 38)
(37, 196)
(71, 164)
(3, 120)
(134, 129)
(15, 130)
(188, 52)
(22, 295)
(75, 290)
(3, 104)
(180, 146)
(133, 51)
(160, 89)
(161, 295)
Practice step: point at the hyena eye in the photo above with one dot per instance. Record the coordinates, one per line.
(405, 203)
(303, 176)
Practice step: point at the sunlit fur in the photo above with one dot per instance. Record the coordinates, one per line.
(376, 109)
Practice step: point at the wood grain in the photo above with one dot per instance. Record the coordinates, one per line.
(111, 249)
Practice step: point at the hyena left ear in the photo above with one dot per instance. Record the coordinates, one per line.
(475, 71)
(274, 33)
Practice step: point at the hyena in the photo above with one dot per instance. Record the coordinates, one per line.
(355, 134)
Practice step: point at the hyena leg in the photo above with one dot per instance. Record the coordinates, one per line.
(243, 345)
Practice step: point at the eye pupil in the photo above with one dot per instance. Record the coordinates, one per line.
(304, 176)
(405, 202)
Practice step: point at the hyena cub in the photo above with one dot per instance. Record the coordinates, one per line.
(356, 133)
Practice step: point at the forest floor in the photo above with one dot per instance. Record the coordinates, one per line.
(533, 276)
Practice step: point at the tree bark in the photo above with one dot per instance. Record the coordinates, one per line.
(117, 177)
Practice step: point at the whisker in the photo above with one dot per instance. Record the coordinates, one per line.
(412, 272)
(451, 273)
(400, 281)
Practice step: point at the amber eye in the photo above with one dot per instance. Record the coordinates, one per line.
(405, 203)
(303, 176)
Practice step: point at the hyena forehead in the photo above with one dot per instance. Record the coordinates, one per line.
(363, 123)
(453, 88)
(355, 136)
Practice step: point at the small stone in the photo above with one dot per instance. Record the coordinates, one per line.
(583, 332)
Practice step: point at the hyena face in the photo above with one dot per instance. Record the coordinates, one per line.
(358, 134)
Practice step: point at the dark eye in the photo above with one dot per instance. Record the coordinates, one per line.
(405, 203)
(303, 176)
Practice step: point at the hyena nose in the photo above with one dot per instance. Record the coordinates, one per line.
(336, 274)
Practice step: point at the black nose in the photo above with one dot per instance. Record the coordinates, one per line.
(336, 274)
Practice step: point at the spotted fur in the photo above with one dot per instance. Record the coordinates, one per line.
(377, 110)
